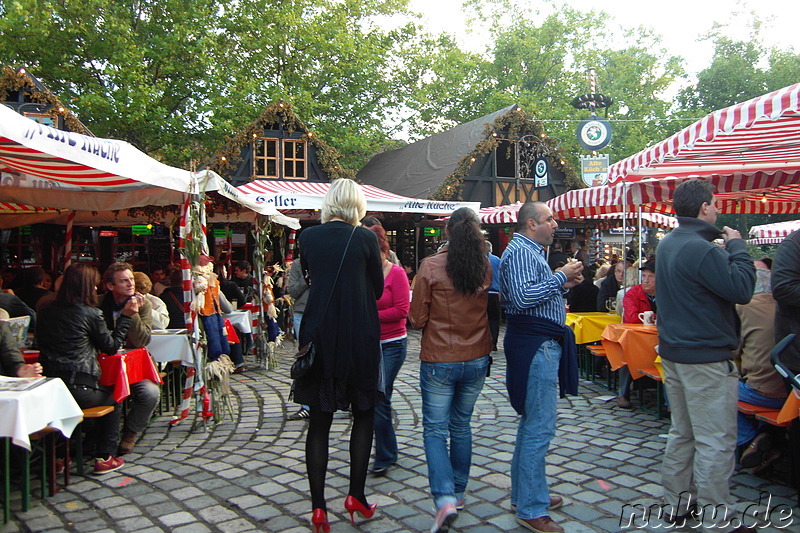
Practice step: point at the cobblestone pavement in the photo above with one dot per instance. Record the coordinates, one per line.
(248, 474)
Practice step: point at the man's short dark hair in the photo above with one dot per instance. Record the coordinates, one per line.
(690, 196)
(529, 210)
(242, 265)
(113, 268)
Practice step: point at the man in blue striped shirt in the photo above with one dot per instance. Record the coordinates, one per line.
(533, 297)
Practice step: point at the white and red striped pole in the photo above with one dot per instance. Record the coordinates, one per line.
(68, 240)
(186, 285)
(290, 247)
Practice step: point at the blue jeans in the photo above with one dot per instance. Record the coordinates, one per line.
(394, 355)
(746, 427)
(449, 392)
(297, 318)
(537, 427)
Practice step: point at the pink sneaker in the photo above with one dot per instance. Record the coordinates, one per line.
(104, 466)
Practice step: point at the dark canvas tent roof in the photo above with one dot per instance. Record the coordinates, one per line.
(418, 169)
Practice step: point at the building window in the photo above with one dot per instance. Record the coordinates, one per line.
(294, 159)
(265, 158)
(42, 118)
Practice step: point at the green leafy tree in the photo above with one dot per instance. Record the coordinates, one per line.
(143, 71)
(174, 78)
(540, 62)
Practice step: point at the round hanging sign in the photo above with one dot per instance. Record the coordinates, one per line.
(594, 133)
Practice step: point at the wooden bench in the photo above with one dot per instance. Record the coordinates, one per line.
(752, 409)
(770, 416)
(655, 375)
(91, 412)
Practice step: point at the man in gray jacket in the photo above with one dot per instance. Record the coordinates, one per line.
(698, 283)
(298, 290)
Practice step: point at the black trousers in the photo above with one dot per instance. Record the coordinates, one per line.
(493, 310)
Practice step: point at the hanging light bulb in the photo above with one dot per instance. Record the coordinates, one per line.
(764, 198)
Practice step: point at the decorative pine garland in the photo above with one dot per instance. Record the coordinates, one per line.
(512, 125)
(278, 113)
(12, 81)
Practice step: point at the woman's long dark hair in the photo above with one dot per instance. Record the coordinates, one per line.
(79, 285)
(467, 259)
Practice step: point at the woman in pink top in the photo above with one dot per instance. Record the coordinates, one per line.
(392, 311)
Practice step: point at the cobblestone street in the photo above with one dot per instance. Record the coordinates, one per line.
(248, 474)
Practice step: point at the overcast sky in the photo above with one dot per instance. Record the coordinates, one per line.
(679, 22)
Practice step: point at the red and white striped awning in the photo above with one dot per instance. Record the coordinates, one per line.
(289, 196)
(42, 168)
(757, 136)
(758, 192)
(773, 233)
(500, 214)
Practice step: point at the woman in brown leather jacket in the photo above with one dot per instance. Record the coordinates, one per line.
(449, 305)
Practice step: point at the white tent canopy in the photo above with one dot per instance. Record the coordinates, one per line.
(291, 195)
(49, 168)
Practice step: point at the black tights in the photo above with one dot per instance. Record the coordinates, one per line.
(319, 427)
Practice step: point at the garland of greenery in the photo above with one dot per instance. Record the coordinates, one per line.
(12, 81)
(278, 113)
(512, 125)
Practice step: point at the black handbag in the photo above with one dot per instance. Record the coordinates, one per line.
(304, 358)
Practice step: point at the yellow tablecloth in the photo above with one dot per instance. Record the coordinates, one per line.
(588, 327)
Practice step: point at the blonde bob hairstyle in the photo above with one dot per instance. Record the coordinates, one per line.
(344, 200)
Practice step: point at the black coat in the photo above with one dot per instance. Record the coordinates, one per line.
(70, 337)
(347, 339)
(786, 291)
(16, 307)
(608, 289)
(10, 358)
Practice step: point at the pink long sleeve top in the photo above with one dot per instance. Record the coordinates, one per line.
(393, 304)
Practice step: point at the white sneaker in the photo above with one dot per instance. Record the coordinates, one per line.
(444, 518)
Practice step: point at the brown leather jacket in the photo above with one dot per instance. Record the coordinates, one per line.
(455, 327)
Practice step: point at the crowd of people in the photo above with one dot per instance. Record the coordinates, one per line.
(87, 315)
(717, 311)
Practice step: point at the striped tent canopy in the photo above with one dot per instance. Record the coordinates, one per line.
(759, 136)
(500, 214)
(773, 233)
(294, 197)
(507, 214)
(759, 192)
(44, 169)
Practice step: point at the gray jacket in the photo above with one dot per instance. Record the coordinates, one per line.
(298, 288)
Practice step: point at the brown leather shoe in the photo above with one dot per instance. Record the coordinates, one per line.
(543, 524)
(127, 443)
(624, 402)
(556, 502)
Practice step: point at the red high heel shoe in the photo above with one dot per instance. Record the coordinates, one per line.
(352, 505)
(320, 521)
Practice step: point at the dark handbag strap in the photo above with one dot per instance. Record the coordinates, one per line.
(333, 287)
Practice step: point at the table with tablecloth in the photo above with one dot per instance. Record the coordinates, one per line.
(241, 320)
(588, 327)
(46, 402)
(125, 368)
(631, 344)
(170, 345)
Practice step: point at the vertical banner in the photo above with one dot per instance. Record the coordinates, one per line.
(541, 173)
(594, 170)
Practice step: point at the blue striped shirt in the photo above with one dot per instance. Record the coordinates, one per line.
(527, 285)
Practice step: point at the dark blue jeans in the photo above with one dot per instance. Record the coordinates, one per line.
(394, 355)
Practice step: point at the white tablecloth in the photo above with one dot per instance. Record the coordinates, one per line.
(166, 346)
(241, 320)
(47, 403)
